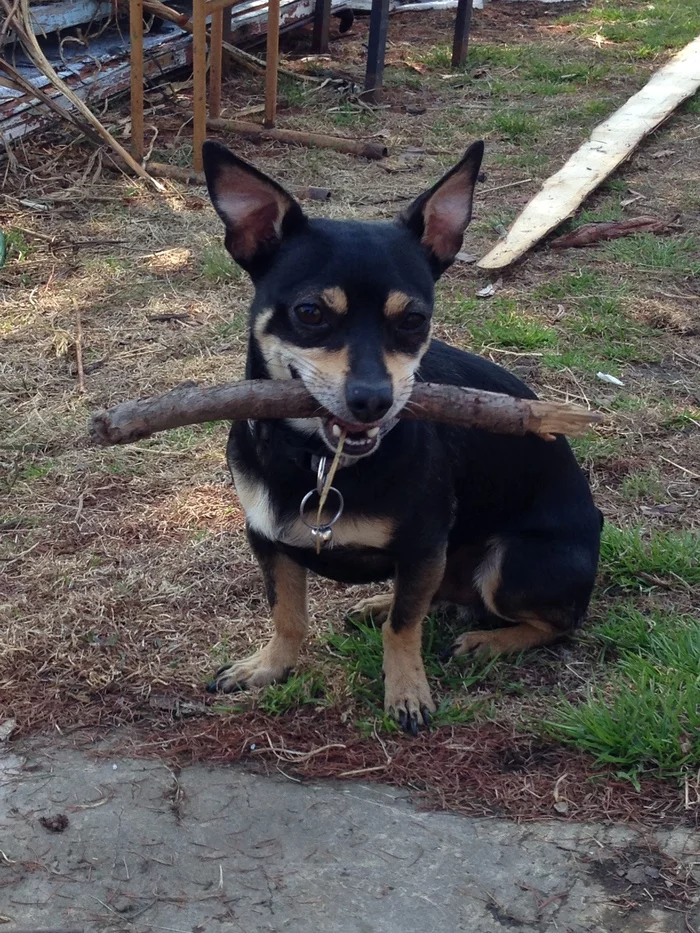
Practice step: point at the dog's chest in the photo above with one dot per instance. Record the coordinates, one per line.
(263, 517)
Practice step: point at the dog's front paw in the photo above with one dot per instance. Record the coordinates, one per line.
(268, 665)
(373, 609)
(407, 698)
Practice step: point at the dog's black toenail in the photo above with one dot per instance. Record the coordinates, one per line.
(447, 653)
(413, 725)
(426, 715)
(212, 687)
(403, 720)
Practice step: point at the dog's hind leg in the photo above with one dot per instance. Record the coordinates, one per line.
(541, 587)
(373, 609)
(285, 583)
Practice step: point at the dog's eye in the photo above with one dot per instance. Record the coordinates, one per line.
(309, 314)
(412, 321)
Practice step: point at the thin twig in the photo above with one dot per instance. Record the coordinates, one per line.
(79, 350)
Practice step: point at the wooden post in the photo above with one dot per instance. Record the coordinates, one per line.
(227, 37)
(462, 27)
(136, 37)
(272, 61)
(322, 26)
(199, 71)
(215, 54)
(378, 27)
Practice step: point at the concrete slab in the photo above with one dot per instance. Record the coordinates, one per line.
(221, 849)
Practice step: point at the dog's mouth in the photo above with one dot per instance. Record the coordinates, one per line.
(360, 439)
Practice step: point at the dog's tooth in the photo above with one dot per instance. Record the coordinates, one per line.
(337, 430)
(372, 432)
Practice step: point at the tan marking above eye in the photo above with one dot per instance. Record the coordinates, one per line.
(336, 299)
(396, 303)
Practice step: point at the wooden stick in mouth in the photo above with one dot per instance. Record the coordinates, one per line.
(265, 399)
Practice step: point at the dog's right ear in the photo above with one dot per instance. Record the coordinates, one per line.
(256, 211)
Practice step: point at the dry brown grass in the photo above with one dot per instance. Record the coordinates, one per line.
(125, 574)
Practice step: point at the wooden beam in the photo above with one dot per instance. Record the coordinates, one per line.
(199, 72)
(228, 38)
(215, 56)
(463, 24)
(322, 27)
(378, 28)
(610, 144)
(136, 37)
(272, 62)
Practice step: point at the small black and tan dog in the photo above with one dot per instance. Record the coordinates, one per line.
(505, 524)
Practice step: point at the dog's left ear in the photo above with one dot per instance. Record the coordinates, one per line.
(439, 217)
(257, 212)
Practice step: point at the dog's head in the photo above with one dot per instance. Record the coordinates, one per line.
(345, 306)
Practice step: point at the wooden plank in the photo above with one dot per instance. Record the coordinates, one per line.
(322, 27)
(460, 44)
(609, 145)
(272, 62)
(215, 54)
(199, 73)
(378, 27)
(136, 37)
(50, 17)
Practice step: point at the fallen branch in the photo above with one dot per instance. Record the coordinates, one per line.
(190, 177)
(590, 234)
(367, 150)
(266, 399)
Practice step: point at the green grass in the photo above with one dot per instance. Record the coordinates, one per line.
(649, 28)
(217, 266)
(688, 419)
(307, 688)
(646, 717)
(643, 485)
(582, 282)
(630, 557)
(594, 448)
(348, 115)
(598, 332)
(360, 653)
(646, 252)
(511, 329)
(16, 246)
(515, 125)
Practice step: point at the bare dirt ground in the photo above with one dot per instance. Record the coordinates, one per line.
(126, 577)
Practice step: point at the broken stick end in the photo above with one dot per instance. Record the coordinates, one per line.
(550, 418)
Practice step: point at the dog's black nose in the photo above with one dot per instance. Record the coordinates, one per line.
(368, 401)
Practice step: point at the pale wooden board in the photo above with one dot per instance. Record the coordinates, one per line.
(610, 144)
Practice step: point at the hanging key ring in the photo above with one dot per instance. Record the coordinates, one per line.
(314, 492)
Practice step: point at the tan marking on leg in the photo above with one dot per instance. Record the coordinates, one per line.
(487, 577)
(530, 634)
(406, 690)
(336, 299)
(290, 617)
(396, 303)
(373, 609)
